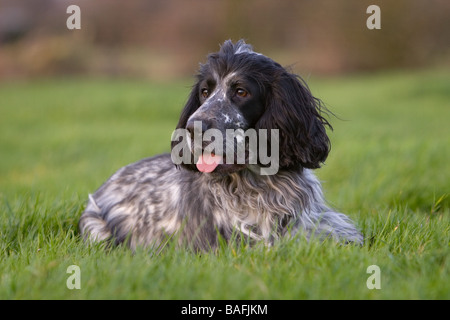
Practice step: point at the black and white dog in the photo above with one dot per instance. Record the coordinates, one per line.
(196, 195)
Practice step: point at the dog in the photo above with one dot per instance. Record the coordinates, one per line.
(198, 197)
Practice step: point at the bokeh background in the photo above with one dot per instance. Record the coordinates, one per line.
(76, 105)
(165, 39)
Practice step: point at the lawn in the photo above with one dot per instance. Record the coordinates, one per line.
(388, 170)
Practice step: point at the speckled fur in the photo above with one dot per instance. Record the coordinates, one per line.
(150, 201)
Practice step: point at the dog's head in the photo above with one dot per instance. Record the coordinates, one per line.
(237, 94)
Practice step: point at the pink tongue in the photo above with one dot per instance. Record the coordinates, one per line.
(208, 162)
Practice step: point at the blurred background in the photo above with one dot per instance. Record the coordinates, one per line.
(166, 39)
(75, 105)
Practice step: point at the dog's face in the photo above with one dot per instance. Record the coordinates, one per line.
(228, 101)
(238, 95)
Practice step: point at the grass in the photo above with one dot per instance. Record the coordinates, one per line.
(388, 169)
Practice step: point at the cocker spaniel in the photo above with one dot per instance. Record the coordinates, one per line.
(240, 167)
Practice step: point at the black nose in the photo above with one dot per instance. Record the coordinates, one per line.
(197, 126)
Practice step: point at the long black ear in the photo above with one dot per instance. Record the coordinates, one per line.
(191, 106)
(293, 110)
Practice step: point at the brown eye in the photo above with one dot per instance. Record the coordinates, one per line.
(241, 93)
(205, 93)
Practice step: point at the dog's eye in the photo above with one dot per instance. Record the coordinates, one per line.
(241, 92)
(205, 93)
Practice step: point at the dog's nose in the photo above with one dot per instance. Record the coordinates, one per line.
(197, 126)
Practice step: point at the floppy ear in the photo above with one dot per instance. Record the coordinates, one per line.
(191, 106)
(293, 110)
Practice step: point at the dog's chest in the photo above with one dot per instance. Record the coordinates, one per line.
(258, 212)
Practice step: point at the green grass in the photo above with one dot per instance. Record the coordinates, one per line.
(388, 170)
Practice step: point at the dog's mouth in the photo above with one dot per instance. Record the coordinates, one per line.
(208, 162)
(228, 154)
